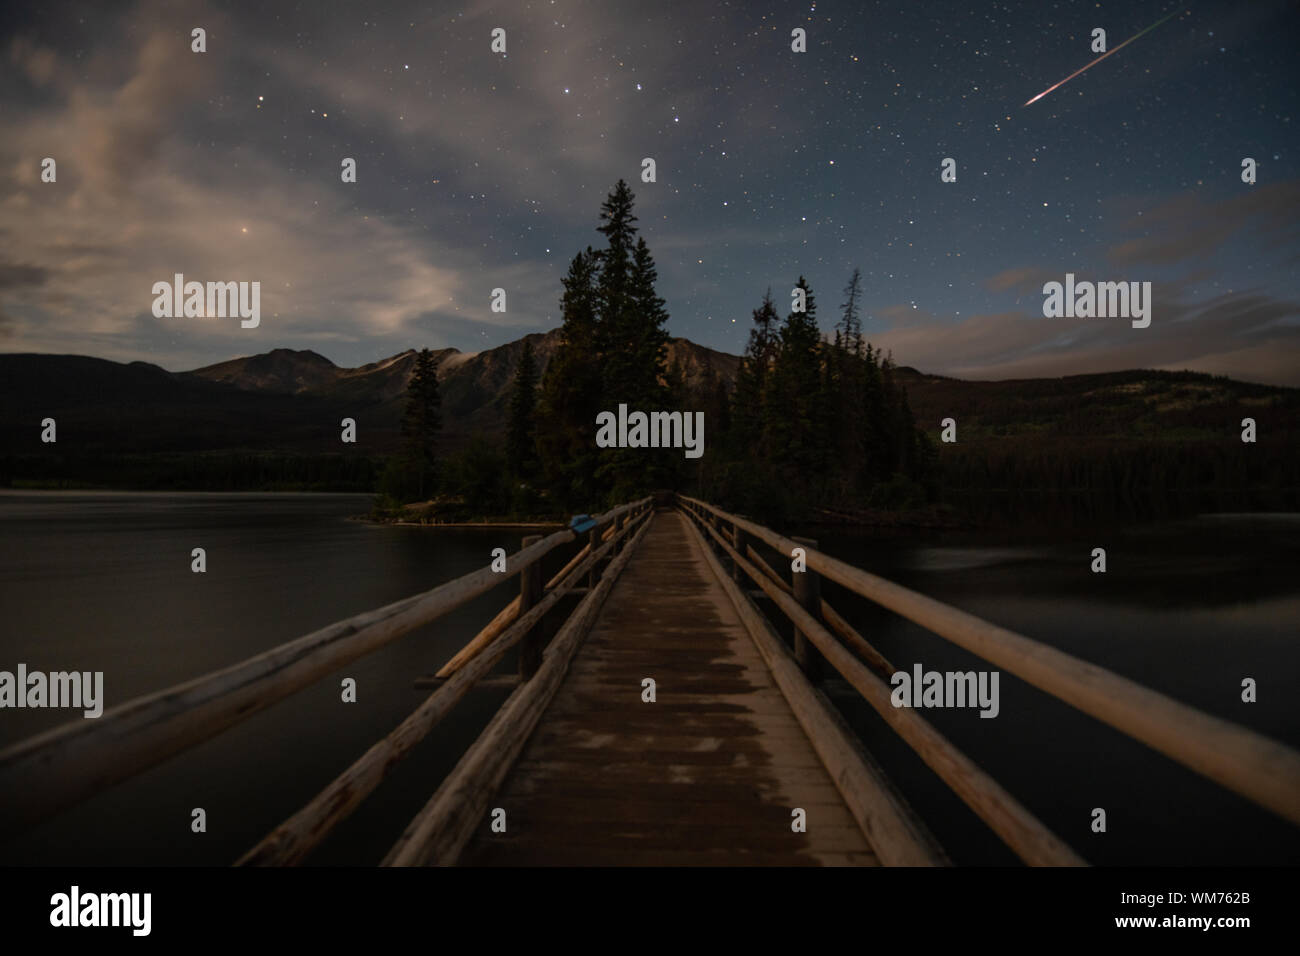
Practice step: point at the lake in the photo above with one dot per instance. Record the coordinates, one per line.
(102, 581)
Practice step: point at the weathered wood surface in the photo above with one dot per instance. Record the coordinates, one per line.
(296, 837)
(55, 770)
(1017, 827)
(1257, 767)
(708, 774)
(439, 832)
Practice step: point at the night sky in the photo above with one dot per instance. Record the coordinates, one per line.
(477, 170)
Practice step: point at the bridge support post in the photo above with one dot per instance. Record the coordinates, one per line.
(593, 541)
(738, 542)
(530, 592)
(808, 592)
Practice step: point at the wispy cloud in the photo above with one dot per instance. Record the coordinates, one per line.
(1246, 336)
(136, 201)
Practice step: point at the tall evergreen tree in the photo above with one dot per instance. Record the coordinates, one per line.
(752, 378)
(614, 283)
(647, 336)
(849, 328)
(846, 390)
(520, 453)
(613, 351)
(633, 344)
(791, 413)
(571, 391)
(421, 423)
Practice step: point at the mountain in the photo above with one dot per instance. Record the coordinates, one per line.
(1137, 404)
(292, 402)
(285, 400)
(280, 370)
(475, 386)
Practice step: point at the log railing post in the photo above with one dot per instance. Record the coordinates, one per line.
(808, 592)
(738, 542)
(530, 592)
(593, 537)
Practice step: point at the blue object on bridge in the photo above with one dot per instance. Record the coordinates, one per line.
(581, 523)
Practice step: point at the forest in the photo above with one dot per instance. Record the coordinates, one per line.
(811, 422)
(818, 427)
(812, 425)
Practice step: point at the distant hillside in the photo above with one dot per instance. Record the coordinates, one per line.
(1130, 405)
(273, 421)
(283, 401)
(475, 386)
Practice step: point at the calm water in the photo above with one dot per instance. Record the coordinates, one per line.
(1188, 608)
(103, 582)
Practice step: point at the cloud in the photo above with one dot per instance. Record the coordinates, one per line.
(1189, 227)
(1247, 336)
(13, 275)
(138, 200)
(1024, 280)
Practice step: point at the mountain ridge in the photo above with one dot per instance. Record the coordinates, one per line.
(293, 400)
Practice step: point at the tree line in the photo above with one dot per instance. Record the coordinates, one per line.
(811, 421)
(815, 424)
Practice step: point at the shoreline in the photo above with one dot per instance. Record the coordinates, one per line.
(366, 519)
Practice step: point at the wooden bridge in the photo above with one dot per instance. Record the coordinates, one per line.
(662, 721)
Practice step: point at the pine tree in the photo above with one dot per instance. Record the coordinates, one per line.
(752, 379)
(846, 395)
(614, 284)
(421, 423)
(849, 329)
(613, 352)
(790, 411)
(520, 454)
(633, 341)
(633, 345)
(647, 336)
(571, 391)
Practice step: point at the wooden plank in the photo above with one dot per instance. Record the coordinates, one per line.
(728, 758)
(595, 855)
(440, 830)
(507, 681)
(855, 641)
(292, 840)
(1260, 769)
(505, 617)
(530, 592)
(893, 831)
(807, 590)
(1024, 833)
(55, 770)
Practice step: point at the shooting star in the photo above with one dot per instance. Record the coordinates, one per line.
(1099, 59)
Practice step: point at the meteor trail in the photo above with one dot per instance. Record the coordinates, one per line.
(1098, 60)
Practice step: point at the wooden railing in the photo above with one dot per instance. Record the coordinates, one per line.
(44, 775)
(51, 772)
(1262, 770)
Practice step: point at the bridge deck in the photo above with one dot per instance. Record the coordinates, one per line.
(707, 774)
